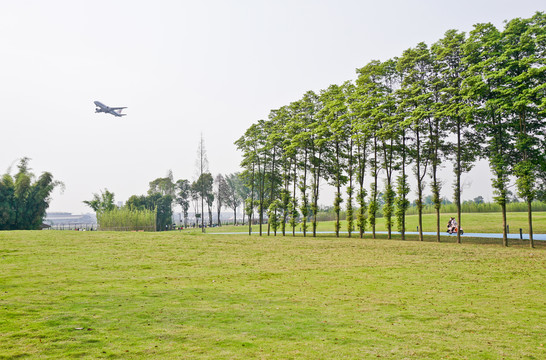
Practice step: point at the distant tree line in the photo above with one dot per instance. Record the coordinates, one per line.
(163, 193)
(440, 106)
(24, 198)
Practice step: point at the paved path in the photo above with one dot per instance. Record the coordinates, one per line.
(480, 235)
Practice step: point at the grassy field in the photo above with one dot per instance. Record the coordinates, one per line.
(471, 223)
(105, 295)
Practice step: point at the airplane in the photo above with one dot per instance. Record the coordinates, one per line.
(116, 111)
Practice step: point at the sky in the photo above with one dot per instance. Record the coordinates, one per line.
(187, 69)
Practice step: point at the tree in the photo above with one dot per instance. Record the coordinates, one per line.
(273, 215)
(478, 200)
(317, 129)
(161, 194)
(298, 151)
(360, 107)
(334, 111)
(370, 102)
(523, 45)
(415, 65)
(183, 197)
(202, 167)
(250, 162)
(452, 67)
(222, 194)
(481, 86)
(101, 202)
(388, 133)
(233, 195)
(349, 90)
(163, 186)
(23, 201)
(402, 184)
(274, 146)
(202, 187)
(161, 204)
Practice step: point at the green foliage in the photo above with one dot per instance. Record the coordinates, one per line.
(361, 215)
(373, 205)
(235, 193)
(183, 197)
(159, 204)
(472, 207)
(163, 186)
(388, 207)
(102, 203)
(24, 200)
(402, 202)
(203, 188)
(350, 212)
(127, 219)
(273, 215)
(294, 214)
(304, 210)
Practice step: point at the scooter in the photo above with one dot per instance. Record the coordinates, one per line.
(454, 230)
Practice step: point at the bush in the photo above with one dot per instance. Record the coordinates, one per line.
(126, 219)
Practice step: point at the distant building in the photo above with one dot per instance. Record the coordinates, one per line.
(65, 218)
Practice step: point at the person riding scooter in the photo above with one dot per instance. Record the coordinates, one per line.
(453, 226)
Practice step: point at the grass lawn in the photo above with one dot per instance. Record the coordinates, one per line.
(471, 223)
(173, 295)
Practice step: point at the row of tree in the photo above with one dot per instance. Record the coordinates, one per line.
(163, 193)
(435, 107)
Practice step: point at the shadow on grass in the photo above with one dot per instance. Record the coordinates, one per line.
(516, 243)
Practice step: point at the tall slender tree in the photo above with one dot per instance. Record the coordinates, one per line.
(415, 65)
(523, 42)
(335, 110)
(202, 167)
(183, 197)
(449, 56)
(481, 85)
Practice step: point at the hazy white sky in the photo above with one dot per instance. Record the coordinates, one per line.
(189, 67)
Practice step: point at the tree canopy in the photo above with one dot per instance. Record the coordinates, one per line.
(24, 198)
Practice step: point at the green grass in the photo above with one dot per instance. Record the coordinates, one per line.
(471, 223)
(103, 295)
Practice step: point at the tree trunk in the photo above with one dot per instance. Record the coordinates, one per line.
(419, 187)
(458, 186)
(403, 225)
(530, 217)
(294, 201)
(316, 183)
(504, 233)
(420, 209)
(374, 199)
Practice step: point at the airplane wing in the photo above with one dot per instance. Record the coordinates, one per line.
(116, 113)
(118, 108)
